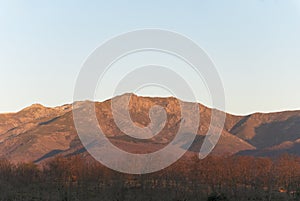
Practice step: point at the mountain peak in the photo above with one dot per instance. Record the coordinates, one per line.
(36, 105)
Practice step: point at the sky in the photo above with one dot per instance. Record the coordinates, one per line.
(255, 46)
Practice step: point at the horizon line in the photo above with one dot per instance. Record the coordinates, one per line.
(150, 96)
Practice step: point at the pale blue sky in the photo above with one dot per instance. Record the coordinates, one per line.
(255, 45)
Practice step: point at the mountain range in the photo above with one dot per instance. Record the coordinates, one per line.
(38, 133)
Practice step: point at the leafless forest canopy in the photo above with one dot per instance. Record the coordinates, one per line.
(232, 178)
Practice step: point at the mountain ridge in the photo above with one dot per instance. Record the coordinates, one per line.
(37, 132)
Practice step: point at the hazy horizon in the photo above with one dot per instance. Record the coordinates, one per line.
(151, 96)
(255, 46)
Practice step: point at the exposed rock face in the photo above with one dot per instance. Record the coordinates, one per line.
(38, 133)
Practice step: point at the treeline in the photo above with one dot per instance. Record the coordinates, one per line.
(232, 178)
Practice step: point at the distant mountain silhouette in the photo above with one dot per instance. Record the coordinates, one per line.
(38, 133)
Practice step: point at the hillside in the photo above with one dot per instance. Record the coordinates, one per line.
(38, 133)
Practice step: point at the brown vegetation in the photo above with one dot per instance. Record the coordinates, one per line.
(234, 178)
